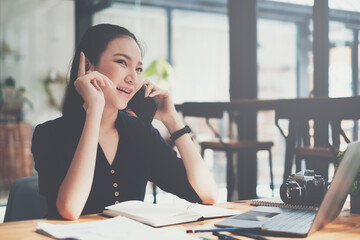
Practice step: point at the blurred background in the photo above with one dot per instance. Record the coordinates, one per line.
(38, 37)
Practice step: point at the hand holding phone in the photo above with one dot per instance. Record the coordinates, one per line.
(144, 107)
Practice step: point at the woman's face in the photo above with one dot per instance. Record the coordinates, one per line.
(121, 63)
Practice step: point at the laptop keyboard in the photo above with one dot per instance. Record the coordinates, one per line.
(294, 221)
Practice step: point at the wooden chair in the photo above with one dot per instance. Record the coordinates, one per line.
(230, 147)
(298, 141)
(315, 154)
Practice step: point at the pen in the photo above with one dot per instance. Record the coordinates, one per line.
(223, 236)
(249, 235)
(229, 229)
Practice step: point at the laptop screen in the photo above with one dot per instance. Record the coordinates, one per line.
(339, 188)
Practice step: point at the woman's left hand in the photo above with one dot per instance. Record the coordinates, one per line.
(166, 107)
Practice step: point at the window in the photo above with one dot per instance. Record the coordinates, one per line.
(276, 59)
(340, 73)
(200, 56)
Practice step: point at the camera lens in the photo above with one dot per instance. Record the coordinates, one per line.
(292, 192)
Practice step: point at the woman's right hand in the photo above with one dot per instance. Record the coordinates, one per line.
(89, 83)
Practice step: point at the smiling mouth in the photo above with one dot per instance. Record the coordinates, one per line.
(123, 90)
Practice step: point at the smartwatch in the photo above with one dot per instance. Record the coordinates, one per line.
(179, 133)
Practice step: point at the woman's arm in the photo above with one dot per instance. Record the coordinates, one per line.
(197, 172)
(75, 188)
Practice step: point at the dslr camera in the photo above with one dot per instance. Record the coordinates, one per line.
(305, 188)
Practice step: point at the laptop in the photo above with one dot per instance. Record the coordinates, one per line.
(301, 223)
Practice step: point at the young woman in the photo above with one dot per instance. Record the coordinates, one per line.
(97, 155)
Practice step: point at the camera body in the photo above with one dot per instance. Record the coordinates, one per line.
(305, 188)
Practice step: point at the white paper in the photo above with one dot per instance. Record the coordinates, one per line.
(114, 228)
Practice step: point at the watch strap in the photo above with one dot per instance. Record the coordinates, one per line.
(179, 133)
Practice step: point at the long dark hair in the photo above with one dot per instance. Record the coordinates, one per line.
(92, 44)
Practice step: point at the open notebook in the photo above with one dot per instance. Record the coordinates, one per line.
(158, 215)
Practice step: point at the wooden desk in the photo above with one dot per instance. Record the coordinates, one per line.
(346, 226)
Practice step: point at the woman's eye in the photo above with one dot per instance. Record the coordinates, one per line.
(121, 62)
(139, 69)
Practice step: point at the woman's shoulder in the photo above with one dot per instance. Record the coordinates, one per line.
(46, 135)
(57, 128)
(51, 123)
(52, 126)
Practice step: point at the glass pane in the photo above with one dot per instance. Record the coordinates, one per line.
(346, 5)
(276, 59)
(299, 2)
(340, 73)
(200, 56)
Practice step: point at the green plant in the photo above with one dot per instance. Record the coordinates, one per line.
(355, 189)
(12, 100)
(10, 92)
(161, 70)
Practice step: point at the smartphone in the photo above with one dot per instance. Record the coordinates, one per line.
(144, 107)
